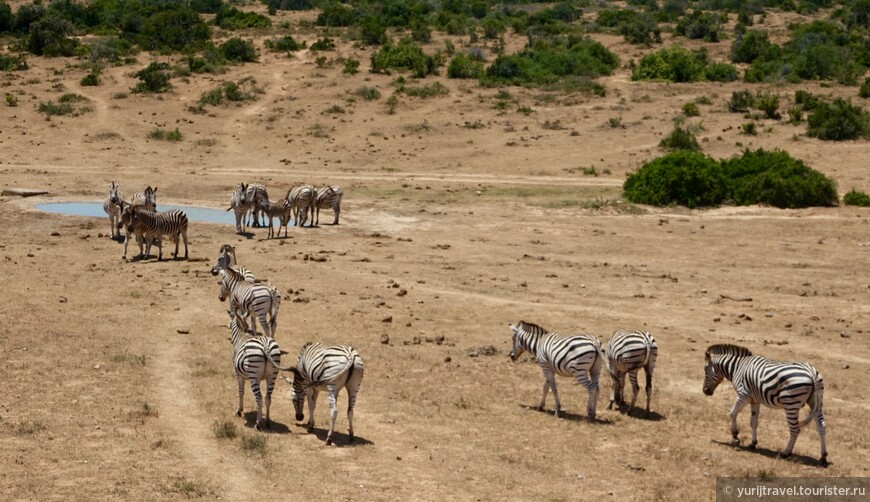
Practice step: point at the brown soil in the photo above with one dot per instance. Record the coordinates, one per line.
(483, 217)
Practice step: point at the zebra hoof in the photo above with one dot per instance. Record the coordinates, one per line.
(328, 441)
(784, 456)
(735, 441)
(239, 412)
(823, 462)
(352, 440)
(752, 445)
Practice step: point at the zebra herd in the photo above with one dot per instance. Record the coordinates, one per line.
(253, 200)
(756, 379)
(140, 218)
(258, 357)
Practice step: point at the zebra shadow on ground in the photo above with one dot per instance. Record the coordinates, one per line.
(640, 414)
(567, 415)
(273, 428)
(246, 235)
(775, 454)
(338, 438)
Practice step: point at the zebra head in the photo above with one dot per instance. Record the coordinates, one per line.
(126, 219)
(297, 393)
(225, 288)
(525, 337)
(719, 363)
(151, 197)
(113, 194)
(223, 260)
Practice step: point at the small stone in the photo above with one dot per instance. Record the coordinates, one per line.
(402, 292)
(182, 331)
(581, 477)
(55, 234)
(389, 318)
(97, 367)
(416, 340)
(845, 366)
(63, 299)
(447, 359)
(385, 339)
(843, 334)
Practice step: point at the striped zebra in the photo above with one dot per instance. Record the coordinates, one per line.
(628, 352)
(335, 368)
(113, 206)
(255, 193)
(280, 209)
(258, 300)
(240, 204)
(147, 198)
(580, 356)
(301, 199)
(758, 381)
(152, 226)
(257, 358)
(328, 197)
(227, 258)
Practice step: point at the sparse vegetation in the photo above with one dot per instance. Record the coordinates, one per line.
(680, 139)
(856, 198)
(676, 64)
(164, 135)
(224, 429)
(254, 444)
(838, 121)
(368, 93)
(154, 78)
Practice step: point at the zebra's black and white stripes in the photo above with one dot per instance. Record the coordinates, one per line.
(328, 197)
(580, 356)
(227, 258)
(258, 300)
(280, 209)
(758, 380)
(302, 199)
(240, 204)
(627, 353)
(152, 226)
(113, 205)
(147, 198)
(254, 193)
(256, 358)
(334, 368)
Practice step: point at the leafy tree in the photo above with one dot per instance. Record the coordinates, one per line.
(174, 30)
(48, 37)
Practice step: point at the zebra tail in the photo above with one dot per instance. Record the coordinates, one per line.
(282, 368)
(815, 400)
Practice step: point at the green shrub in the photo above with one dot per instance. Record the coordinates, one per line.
(238, 50)
(640, 29)
(752, 45)
(463, 66)
(741, 101)
(13, 62)
(11, 99)
(174, 30)
(775, 178)
(284, 44)
(154, 78)
(676, 64)
(680, 139)
(689, 179)
(289, 4)
(164, 135)
(795, 115)
(769, 104)
(91, 79)
(368, 93)
(720, 72)
(231, 18)
(372, 31)
(351, 66)
(838, 121)
(323, 44)
(691, 110)
(749, 129)
(405, 56)
(336, 14)
(51, 108)
(855, 198)
(424, 91)
(49, 37)
(863, 92)
(228, 91)
(700, 25)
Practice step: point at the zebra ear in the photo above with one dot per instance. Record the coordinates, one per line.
(512, 327)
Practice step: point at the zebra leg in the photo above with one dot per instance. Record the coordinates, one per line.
(312, 402)
(635, 388)
(649, 376)
(615, 390)
(548, 376)
(755, 409)
(241, 381)
(255, 388)
(741, 403)
(331, 395)
(820, 427)
(591, 386)
(352, 389)
(184, 235)
(337, 211)
(271, 375)
(794, 428)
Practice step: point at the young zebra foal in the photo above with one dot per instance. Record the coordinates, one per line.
(280, 209)
(758, 381)
(152, 226)
(257, 358)
(331, 367)
(580, 356)
(628, 352)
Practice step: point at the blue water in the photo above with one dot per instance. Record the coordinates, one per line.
(202, 214)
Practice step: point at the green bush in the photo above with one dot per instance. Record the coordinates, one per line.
(775, 178)
(336, 14)
(741, 101)
(51, 108)
(231, 18)
(154, 78)
(372, 31)
(91, 79)
(691, 110)
(855, 198)
(322, 44)
(752, 45)
(838, 121)
(13, 62)
(463, 66)
(11, 99)
(640, 29)
(351, 66)
(284, 44)
(700, 25)
(5, 16)
(749, 129)
(174, 30)
(404, 56)
(49, 37)
(424, 91)
(688, 179)
(368, 93)
(238, 50)
(676, 64)
(289, 4)
(164, 135)
(863, 92)
(720, 72)
(769, 104)
(228, 91)
(680, 139)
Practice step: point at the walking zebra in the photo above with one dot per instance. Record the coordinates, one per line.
(280, 209)
(301, 199)
(227, 258)
(328, 198)
(152, 226)
(335, 368)
(148, 198)
(758, 381)
(255, 193)
(249, 300)
(628, 352)
(580, 356)
(113, 206)
(257, 358)
(240, 204)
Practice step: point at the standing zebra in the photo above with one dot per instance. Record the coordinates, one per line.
(113, 206)
(758, 381)
(240, 204)
(580, 356)
(257, 358)
(628, 352)
(227, 258)
(148, 198)
(328, 197)
(281, 209)
(331, 367)
(153, 226)
(255, 193)
(249, 300)
(301, 199)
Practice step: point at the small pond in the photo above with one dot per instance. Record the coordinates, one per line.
(202, 214)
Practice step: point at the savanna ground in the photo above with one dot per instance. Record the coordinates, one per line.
(459, 218)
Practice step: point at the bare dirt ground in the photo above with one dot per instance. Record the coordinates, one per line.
(459, 218)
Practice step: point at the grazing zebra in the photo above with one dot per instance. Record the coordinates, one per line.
(758, 381)
(301, 199)
(255, 193)
(112, 206)
(261, 300)
(280, 209)
(628, 352)
(328, 197)
(580, 356)
(148, 198)
(240, 203)
(331, 367)
(257, 358)
(152, 226)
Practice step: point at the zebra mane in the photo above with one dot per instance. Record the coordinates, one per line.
(728, 349)
(531, 328)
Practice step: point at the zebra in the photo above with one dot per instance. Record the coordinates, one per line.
(152, 226)
(240, 203)
(580, 356)
(628, 352)
(257, 358)
(261, 300)
(328, 197)
(301, 199)
(227, 258)
(112, 206)
(255, 192)
(281, 209)
(335, 368)
(147, 198)
(758, 381)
